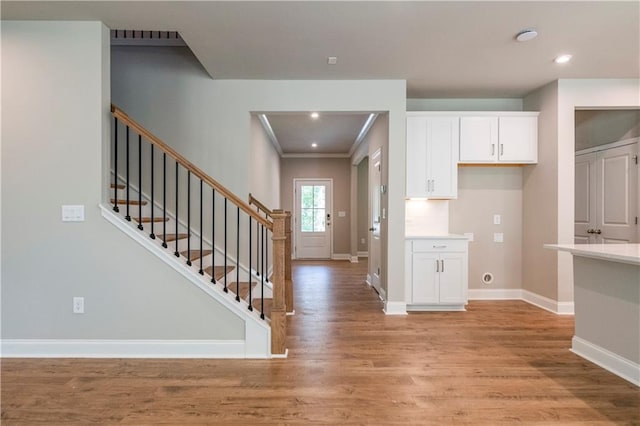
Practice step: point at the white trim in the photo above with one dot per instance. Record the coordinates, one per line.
(318, 155)
(257, 331)
(363, 133)
(363, 254)
(611, 145)
(395, 308)
(284, 355)
(368, 279)
(474, 113)
(353, 259)
(560, 308)
(92, 348)
(495, 294)
(608, 360)
(436, 308)
(269, 130)
(292, 313)
(340, 256)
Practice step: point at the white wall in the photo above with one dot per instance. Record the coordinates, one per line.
(208, 121)
(264, 169)
(600, 127)
(462, 104)
(55, 99)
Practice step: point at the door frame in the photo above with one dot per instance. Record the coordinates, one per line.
(294, 252)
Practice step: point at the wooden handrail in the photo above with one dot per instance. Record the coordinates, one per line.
(259, 205)
(122, 116)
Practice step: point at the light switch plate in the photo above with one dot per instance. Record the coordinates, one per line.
(342, 214)
(469, 236)
(498, 237)
(73, 213)
(497, 219)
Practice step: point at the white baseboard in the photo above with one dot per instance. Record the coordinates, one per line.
(354, 259)
(395, 308)
(560, 308)
(495, 294)
(78, 348)
(340, 256)
(363, 254)
(614, 363)
(368, 280)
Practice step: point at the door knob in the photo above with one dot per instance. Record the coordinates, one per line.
(598, 231)
(372, 229)
(590, 231)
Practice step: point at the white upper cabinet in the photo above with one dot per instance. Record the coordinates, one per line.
(510, 138)
(432, 156)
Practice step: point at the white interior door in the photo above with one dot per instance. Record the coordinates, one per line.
(617, 188)
(585, 198)
(313, 218)
(375, 245)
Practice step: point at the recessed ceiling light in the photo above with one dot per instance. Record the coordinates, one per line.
(562, 59)
(526, 35)
(332, 60)
(314, 145)
(314, 115)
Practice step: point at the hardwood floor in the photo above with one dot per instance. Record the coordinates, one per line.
(497, 363)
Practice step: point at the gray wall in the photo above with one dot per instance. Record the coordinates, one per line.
(338, 169)
(55, 113)
(599, 127)
(363, 205)
(264, 172)
(209, 121)
(483, 192)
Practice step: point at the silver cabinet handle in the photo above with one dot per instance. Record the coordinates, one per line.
(501, 149)
(437, 266)
(442, 265)
(439, 246)
(493, 149)
(433, 185)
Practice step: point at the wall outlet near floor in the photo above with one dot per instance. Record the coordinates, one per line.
(78, 305)
(469, 236)
(498, 237)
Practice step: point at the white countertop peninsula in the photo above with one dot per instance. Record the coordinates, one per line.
(607, 305)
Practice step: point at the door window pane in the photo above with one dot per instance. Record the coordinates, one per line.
(312, 208)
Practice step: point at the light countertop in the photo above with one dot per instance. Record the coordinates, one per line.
(624, 253)
(435, 237)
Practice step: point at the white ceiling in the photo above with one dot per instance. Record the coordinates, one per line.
(446, 49)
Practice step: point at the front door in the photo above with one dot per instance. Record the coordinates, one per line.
(313, 218)
(375, 246)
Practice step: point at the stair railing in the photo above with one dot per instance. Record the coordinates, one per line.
(288, 282)
(274, 224)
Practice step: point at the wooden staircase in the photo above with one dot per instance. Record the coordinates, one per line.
(238, 275)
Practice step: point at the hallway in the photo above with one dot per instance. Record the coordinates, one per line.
(498, 363)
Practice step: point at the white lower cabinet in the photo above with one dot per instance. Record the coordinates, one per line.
(436, 274)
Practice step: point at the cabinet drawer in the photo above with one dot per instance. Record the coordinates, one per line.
(444, 245)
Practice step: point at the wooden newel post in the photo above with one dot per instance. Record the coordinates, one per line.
(288, 283)
(278, 311)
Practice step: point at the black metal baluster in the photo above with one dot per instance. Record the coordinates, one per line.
(127, 216)
(164, 200)
(177, 253)
(188, 217)
(250, 277)
(225, 245)
(140, 227)
(213, 235)
(115, 164)
(266, 253)
(257, 248)
(201, 271)
(152, 235)
(262, 273)
(238, 254)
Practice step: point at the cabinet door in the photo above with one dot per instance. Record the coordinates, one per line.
(416, 157)
(425, 278)
(518, 139)
(453, 286)
(442, 156)
(478, 139)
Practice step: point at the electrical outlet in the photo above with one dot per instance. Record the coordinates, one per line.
(498, 237)
(78, 305)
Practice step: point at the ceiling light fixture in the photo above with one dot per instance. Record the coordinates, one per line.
(526, 35)
(314, 115)
(314, 145)
(562, 59)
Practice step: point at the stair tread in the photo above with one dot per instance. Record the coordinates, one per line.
(244, 288)
(148, 219)
(131, 202)
(172, 237)
(268, 304)
(195, 254)
(118, 186)
(218, 272)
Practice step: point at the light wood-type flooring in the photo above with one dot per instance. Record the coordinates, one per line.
(498, 363)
